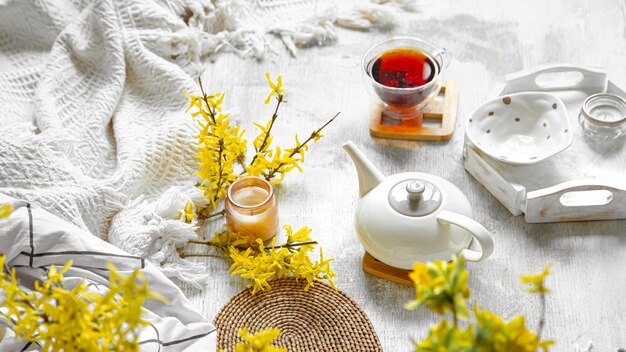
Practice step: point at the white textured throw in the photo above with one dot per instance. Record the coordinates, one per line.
(92, 126)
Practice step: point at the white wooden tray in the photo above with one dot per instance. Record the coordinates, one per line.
(587, 181)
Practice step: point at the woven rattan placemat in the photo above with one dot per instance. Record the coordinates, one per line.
(321, 319)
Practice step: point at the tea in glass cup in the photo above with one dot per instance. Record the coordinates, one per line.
(404, 73)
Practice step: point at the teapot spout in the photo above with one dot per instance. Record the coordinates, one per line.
(369, 175)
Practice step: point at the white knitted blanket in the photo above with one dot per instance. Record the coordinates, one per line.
(92, 127)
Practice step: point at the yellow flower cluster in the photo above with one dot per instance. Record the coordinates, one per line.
(277, 88)
(77, 320)
(494, 334)
(226, 239)
(274, 163)
(490, 333)
(277, 162)
(221, 149)
(442, 286)
(259, 342)
(5, 210)
(446, 337)
(261, 263)
(188, 214)
(536, 281)
(220, 145)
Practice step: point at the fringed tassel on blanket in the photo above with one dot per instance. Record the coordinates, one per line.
(155, 230)
(241, 27)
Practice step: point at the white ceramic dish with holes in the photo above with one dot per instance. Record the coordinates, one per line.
(586, 181)
(521, 128)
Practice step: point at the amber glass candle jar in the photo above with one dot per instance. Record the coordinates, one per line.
(251, 208)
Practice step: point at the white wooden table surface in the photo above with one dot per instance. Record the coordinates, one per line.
(487, 40)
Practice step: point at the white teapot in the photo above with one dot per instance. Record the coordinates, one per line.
(414, 216)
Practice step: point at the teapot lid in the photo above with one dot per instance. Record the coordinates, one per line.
(415, 197)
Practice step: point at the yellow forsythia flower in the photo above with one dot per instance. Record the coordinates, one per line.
(536, 282)
(259, 342)
(5, 210)
(274, 164)
(60, 319)
(490, 333)
(494, 334)
(221, 150)
(261, 263)
(226, 239)
(442, 286)
(188, 214)
(277, 88)
(220, 146)
(446, 337)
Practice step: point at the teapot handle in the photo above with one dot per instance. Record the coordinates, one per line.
(480, 233)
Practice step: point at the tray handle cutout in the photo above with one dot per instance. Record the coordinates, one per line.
(559, 80)
(579, 200)
(556, 77)
(586, 198)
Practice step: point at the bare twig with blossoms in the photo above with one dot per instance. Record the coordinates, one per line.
(535, 284)
(62, 319)
(221, 146)
(442, 286)
(222, 151)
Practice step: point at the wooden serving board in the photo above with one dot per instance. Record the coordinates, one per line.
(587, 181)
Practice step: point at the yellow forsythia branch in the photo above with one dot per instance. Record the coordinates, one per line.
(443, 287)
(75, 319)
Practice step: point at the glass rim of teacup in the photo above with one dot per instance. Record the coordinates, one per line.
(378, 84)
(270, 193)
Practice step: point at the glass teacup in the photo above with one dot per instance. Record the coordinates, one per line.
(405, 102)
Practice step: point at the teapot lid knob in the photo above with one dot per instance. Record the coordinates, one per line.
(415, 190)
(415, 197)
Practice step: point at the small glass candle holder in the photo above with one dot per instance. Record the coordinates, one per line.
(251, 208)
(603, 117)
